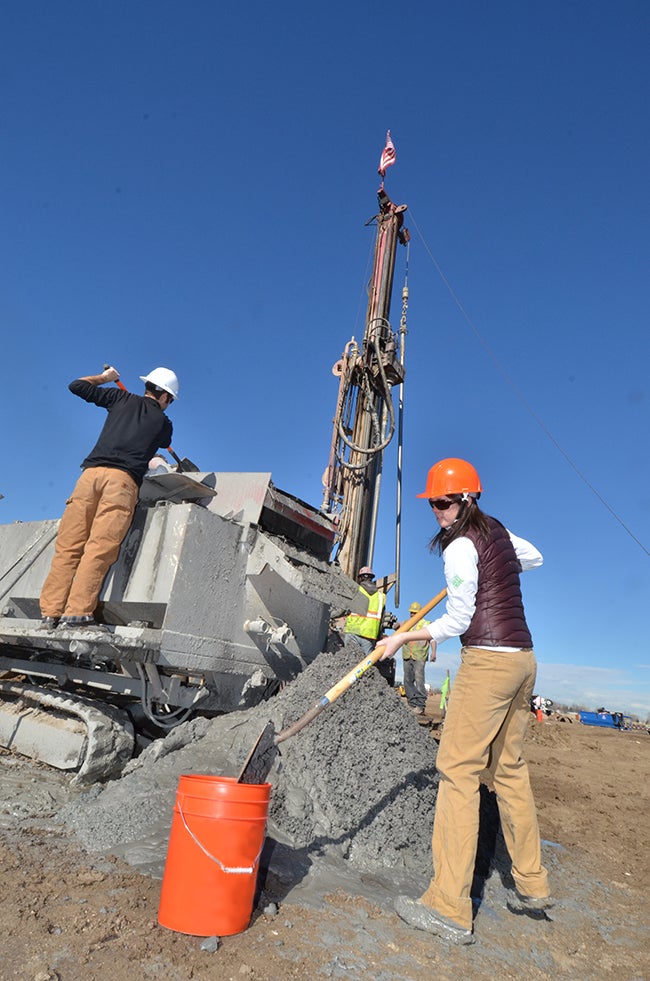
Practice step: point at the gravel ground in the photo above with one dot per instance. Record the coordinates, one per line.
(351, 819)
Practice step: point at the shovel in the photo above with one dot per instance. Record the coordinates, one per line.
(265, 749)
(184, 465)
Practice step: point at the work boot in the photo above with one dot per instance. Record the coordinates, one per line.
(416, 710)
(534, 906)
(422, 917)
(49, 623)
(81, 623)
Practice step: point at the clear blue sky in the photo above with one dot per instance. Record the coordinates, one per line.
(187, 184)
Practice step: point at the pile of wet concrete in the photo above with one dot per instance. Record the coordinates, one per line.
(358, 783)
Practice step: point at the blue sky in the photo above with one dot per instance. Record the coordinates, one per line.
(187, 184)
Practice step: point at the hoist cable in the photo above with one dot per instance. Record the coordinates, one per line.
(520, 394)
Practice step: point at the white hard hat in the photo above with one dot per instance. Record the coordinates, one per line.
(163, 378)
(365, 571)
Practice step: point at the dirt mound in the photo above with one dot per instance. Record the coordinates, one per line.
(549, 733)
(359, 782)
(361, 777)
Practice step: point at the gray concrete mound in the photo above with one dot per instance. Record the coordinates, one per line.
(358, 783)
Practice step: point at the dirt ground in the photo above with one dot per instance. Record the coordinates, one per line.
(72, 916)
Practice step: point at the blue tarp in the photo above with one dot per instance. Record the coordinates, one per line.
(609, 720)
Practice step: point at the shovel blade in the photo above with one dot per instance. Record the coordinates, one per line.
(261, 758)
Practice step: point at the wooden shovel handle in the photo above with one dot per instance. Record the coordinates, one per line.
(357, 672)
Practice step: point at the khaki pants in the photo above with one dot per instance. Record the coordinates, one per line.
(484, 727)
(93, 526)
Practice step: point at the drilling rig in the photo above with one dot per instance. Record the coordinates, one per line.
(365, 420)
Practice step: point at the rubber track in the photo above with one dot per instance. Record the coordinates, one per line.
(110, 739)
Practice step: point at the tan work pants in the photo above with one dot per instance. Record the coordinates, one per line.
(484, 727)
(93, 526)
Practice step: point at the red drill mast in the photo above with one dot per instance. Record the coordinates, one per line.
(365, 419)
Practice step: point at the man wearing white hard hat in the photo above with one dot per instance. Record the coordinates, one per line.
(99, 512)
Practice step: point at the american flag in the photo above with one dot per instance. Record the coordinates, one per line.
(387, 157)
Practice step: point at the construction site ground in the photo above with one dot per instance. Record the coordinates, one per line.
(72, 915)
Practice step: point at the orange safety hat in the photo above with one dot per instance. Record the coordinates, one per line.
(452, 476)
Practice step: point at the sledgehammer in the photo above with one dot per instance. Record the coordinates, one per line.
(261, 757)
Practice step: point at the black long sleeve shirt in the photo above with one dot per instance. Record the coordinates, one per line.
(135, 429)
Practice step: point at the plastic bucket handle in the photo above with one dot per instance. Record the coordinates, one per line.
(235, 870)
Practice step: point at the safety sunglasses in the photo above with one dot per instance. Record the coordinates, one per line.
(441, 504)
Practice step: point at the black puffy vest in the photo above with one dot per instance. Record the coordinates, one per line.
(499, 619)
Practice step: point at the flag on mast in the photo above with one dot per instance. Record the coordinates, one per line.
(387, 157)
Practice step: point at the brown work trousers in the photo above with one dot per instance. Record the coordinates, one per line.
(486, 721)
(93, 526)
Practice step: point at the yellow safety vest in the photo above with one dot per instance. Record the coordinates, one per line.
(367, 626)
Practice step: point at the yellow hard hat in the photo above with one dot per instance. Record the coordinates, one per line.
(414, 607)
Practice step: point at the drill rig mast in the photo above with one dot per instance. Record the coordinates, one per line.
(365, 419)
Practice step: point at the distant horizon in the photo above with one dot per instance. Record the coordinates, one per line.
(564, 684)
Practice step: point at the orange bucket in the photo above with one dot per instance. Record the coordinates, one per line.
(213, 855)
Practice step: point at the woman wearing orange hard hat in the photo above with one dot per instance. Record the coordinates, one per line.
(488, 710)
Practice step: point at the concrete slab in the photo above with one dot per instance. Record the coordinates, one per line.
(42, 736)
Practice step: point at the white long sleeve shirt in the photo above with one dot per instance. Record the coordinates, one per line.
(461, 573)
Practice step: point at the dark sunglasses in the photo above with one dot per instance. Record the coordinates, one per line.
(441, 504)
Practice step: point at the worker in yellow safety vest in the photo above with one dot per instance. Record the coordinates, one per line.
(366, 623)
